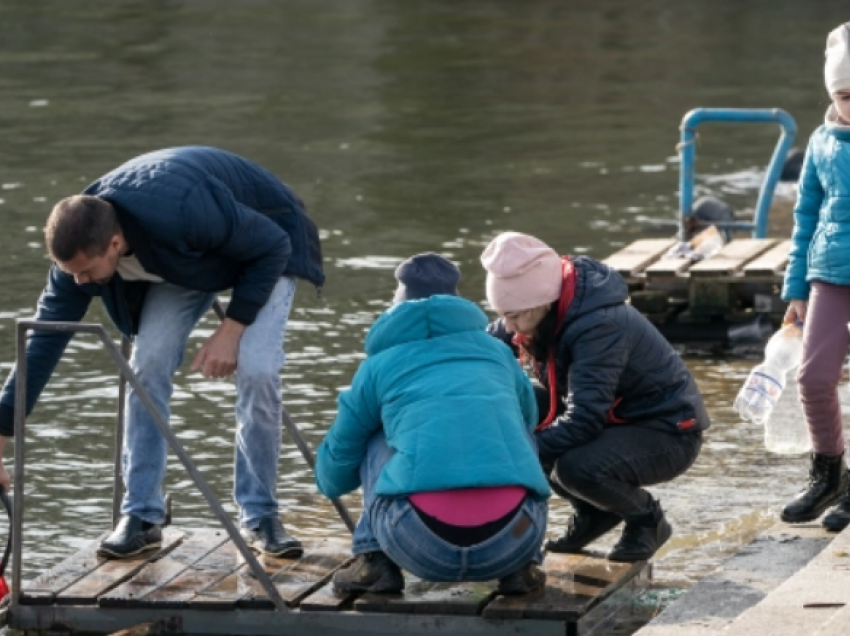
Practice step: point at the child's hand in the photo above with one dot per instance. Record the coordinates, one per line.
(796, 311)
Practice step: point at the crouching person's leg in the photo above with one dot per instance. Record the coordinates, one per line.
(605, 480)
(371, 570)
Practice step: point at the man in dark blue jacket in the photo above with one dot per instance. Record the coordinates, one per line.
(156, 239)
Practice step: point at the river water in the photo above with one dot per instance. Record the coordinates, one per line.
(406, 127)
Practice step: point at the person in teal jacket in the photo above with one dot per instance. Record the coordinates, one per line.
(437, 430)
(817, 286)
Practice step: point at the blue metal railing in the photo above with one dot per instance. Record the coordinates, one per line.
(687, 152)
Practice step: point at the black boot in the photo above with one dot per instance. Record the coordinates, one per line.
(642, 536)
(587, 524)
(839, 517)
(131, 536)
(828, 481)
(370, 572)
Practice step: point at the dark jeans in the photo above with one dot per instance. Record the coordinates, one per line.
(610, 471)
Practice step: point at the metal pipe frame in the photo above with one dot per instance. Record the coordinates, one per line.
(687, 152)
(117, 474)
(23, 326)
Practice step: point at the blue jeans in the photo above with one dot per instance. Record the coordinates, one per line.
(391, 524)
(168, 316)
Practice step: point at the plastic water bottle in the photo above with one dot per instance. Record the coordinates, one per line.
(763, 388)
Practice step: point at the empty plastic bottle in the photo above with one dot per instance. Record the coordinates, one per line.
(763, 388)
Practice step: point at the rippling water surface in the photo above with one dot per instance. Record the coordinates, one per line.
(406, 127)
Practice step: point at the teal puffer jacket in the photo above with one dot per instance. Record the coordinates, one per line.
(453, 402)
(821, 238)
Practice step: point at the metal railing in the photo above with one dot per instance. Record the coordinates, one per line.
(687, 152)
(23, 326)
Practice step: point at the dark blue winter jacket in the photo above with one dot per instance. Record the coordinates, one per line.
(614, 368)
(201, 218)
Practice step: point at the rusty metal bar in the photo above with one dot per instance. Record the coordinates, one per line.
(117, 469)
(164, 429)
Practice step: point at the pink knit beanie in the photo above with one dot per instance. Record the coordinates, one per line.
(522, 272)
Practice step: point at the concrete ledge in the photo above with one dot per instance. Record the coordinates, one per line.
(741, 583)
(806, 601)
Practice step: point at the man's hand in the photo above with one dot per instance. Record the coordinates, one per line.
(217, 357)
(5, 480)
(796, 311)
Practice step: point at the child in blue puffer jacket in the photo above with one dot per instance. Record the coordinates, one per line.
(817, 284)
(436, 428)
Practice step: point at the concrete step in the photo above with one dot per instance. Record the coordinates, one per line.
(807, 602)
(838, 625)
(741, 583)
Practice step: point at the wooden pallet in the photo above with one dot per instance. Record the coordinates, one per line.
(744, 278)
(200, 584)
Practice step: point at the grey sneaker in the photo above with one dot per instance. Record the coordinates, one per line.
(370, 572)
(270, 538)
(131, 536)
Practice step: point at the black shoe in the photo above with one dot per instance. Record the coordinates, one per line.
(131, 536)
(587, 524)
(528, 578)
(271, 539)
(839, 517)
(370, 572)
(642, 536)
(828, 482)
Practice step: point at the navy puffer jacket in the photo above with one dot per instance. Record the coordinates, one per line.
(198, 217)
(614, 368)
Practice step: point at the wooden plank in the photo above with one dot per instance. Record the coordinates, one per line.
(574, 586)
(731, 258)
(239, 584)
(132, 593)
(630, 261)
(671, 268)
(43, 589)
(771, 263)
(668, 268)
(325, 599)
(423, 597)
(558, 567)
(201, 575)
(113, 572)
(293, 579)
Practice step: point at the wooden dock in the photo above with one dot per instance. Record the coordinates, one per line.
(198, 583)
(702, 300)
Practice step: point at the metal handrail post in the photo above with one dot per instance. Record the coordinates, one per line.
(687, 152)
(117, 468)
(18, 500)
(301, 443)
(164, 429)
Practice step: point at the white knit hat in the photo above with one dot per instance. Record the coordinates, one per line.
(522, 272)
(837, 68)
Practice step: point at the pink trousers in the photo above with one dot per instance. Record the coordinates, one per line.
(825, 343)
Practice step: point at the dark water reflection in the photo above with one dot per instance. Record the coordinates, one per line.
(406, 127)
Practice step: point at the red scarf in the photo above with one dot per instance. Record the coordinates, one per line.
(568, 292)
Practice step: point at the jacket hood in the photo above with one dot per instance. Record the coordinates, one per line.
(432, 317)
(597, 286)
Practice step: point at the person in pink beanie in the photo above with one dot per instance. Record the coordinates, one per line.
(619, 409)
